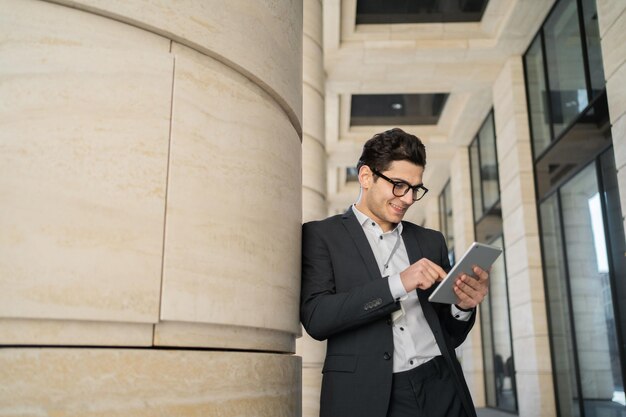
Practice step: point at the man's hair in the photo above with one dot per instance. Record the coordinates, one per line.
(392, 145)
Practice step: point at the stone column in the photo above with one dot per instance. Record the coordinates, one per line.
(527, 304)
(612, 21)
(150, 167)
(431, 219)
(314, 206)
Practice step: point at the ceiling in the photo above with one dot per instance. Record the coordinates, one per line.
(458, 59)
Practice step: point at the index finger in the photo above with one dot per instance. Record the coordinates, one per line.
(439, 270)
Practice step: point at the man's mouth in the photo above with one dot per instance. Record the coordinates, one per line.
(398, 209)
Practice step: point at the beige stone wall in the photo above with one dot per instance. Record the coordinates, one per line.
(612, 21)
(521, 236)
(150, 177)
(314, 205)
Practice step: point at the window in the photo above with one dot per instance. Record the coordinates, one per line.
(578, 269)
(446, 220)
(564, 73)
(485, 186)
(500, 382)
(582, 235)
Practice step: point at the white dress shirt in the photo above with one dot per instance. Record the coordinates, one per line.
(413, 340)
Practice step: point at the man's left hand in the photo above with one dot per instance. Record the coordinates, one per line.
(471, 290)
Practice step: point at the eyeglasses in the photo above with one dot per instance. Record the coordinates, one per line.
(400, 188)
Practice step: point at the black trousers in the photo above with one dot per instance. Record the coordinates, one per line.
(425, 391)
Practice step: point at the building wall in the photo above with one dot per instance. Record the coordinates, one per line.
(145, 153)
(522, 244)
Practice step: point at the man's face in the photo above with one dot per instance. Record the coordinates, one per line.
(378, 200)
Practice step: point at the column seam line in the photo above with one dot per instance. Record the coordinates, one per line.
(167, 180)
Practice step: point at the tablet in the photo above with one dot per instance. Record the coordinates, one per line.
(478, 254)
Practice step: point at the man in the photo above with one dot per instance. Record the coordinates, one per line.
(366, 278)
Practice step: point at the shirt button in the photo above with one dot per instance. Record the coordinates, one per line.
(381, 238)
(411, 362)
(402, 328)
(373, 224)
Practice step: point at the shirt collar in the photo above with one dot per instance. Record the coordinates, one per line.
(364, 220)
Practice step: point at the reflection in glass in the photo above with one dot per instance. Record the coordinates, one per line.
(594, 52)
(566, 73)
(475, 169)
(592, 307)
(490, 374)
(504, 369)
(488, 163)
(537, 97)
(446, 220)
(559, 312)
(615, 228)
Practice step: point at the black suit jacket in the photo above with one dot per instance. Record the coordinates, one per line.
(345, 300)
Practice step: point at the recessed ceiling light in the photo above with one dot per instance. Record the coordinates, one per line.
(396, 106)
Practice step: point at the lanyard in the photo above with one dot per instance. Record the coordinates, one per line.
(393, 251)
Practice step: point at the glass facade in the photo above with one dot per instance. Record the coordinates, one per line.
(583, 332)
(500, 386)
(446, 219)
(582, 237)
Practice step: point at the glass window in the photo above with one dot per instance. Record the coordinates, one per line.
(577, 265)
(558, 307)
(477, 195)
(537, 97)
(594, 52)
(488, 163)
(566, 70)
(592, 307)
(447, 219)
(484, 170)
(504, 368)
(617, 243)
(500, 382)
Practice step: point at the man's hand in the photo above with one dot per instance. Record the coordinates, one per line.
(422, 274)
(471, 291)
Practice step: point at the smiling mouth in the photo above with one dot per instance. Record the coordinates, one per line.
(398, 208)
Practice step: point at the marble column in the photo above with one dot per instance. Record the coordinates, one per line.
(527, 304)
(150, 167)
(470, 352)
(612, 22)
(314, 205)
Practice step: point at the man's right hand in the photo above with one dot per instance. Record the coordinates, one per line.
(422, 274)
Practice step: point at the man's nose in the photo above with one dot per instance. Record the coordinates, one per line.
(408, 198)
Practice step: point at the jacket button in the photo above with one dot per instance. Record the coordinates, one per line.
(389, 322)
(387, 356)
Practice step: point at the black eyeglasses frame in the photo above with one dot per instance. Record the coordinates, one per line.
(396, 184)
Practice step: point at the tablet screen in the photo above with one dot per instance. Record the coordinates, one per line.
(478, 254)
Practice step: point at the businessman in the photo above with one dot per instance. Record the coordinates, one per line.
(366, 278)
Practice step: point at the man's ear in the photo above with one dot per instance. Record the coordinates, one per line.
(366, 177)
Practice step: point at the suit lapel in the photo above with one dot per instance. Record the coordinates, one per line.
(355, 230)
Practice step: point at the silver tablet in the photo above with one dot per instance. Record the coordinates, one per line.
(478, 254)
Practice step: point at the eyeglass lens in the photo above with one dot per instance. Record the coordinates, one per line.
(400, 189)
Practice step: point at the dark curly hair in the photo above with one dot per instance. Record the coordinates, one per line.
(392, 145)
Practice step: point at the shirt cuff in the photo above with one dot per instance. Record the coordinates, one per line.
(396, 287)
(460, 314)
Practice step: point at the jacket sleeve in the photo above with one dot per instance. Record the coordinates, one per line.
(323, 310)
